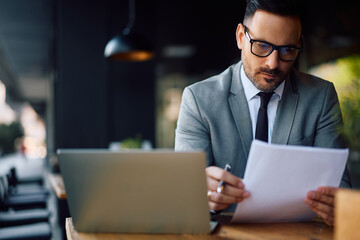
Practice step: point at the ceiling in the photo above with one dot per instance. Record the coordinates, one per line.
(26, 38)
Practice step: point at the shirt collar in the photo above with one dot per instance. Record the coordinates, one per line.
(251, 91)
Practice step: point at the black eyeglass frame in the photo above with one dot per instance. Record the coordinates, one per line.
(273, 47)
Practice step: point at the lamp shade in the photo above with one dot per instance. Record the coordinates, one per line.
(128, 47)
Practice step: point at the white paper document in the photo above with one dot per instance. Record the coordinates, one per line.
(278, 178)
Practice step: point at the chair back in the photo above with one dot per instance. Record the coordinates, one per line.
(2, 190)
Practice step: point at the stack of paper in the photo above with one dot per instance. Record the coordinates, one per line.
(278, 178)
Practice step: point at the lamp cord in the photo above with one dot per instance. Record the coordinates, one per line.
(131, 17)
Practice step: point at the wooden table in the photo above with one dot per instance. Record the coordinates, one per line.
(57, 183)
(58, 186)
(266, 231)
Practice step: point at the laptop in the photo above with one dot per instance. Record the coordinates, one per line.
(136, 191)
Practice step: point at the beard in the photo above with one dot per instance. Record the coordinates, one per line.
(261, 82)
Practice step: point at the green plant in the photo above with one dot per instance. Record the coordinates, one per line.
(350, 105)
(131, 142)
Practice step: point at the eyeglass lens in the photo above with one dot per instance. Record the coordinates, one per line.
(263, 49)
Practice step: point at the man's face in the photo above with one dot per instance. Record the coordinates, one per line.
(267, 73)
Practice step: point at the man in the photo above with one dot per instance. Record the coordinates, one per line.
(219, 115)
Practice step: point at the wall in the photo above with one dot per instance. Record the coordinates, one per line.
(97, 101)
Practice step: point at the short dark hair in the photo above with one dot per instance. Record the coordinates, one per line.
(279, 7)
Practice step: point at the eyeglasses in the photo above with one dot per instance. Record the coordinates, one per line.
(264, 49)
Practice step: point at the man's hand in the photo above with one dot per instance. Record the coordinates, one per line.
(322, 202)
(233, 191)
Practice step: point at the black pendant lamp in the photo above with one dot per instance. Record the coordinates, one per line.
(129, 46)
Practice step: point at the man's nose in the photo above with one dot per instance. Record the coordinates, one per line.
(273, 60)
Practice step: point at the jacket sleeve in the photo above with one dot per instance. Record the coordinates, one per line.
(192, 131)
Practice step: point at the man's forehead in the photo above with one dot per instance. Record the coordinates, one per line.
(267, 24)
(265, 17)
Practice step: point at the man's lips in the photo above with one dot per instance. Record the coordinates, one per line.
(270, 76)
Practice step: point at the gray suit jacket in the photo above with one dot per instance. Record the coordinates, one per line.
(214, 117)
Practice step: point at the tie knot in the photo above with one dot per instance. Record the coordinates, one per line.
(265, 98)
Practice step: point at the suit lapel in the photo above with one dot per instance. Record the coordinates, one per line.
(285, 113)
(240, 110)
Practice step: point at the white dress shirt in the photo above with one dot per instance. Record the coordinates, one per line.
(254, 102)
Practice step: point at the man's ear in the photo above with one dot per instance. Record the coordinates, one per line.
(239, 35)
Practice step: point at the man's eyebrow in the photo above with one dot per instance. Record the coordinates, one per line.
(285, 45)
(262, 40)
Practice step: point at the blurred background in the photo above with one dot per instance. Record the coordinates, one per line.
(60, 91)
(57, 90)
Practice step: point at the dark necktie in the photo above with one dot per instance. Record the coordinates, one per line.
(262, 120)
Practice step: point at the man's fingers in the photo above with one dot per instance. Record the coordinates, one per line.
(322, 203)
(222, 198)
(219, 174)
(233, 191)
(217, 207)
(317, 207)
(320, 197)
(220, 201)
(330, 191)
(324, 213)
(328, 219)
(228, 189)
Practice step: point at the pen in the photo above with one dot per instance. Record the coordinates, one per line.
(222, 183)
